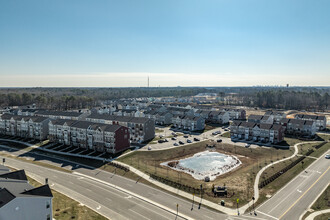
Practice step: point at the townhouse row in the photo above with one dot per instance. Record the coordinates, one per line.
(34, 127)
(141, 129)
(89, 135)
(250, 131)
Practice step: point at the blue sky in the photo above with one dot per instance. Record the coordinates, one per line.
(187, 43)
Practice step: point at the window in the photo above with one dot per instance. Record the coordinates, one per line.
(48, 217)
(47, 204)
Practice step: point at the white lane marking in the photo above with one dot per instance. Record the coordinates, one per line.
(98, 208)
(109, 199)
(298, 190)
(208, 217)
(302, 182)
(139, 214)
(268, 215)
(52, 184)
(128, 197)
(80, 178)
(319, 172)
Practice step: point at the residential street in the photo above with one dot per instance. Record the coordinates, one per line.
(85, 186)
(295, 197)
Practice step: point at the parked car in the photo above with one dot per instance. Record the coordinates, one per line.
(149, 148)
(219, 140)
(180, 142)
(165, 140)
(173, 133)
(185, 136)
(161, 141)
(327, 156)
(226, 129)
(196, 139)
(161, 136)
(189, 141)
(247, 145)
(176, 144)
(173, 138)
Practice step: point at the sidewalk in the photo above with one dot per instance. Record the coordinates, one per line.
(314, 214)
(189, 196)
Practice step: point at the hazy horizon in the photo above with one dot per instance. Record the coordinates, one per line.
(174, 43)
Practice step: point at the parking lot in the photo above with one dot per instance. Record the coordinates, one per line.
(166, 133)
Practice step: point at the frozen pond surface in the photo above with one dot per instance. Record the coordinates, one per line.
(205, 164)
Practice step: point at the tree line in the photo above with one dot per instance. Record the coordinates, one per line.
(299, 98)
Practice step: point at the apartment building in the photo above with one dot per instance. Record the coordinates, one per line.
(250, 131)
(188, 122)
(262, 119)
(141, 129)
(89, 135)
(299, 127)
(62, 114)
(218, 117)
(235, 114)
(320, 120)
(277, 115)
(34, 127)
(19, 200)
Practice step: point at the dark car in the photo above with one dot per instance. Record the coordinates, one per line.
(161, 141)
(219, 140)
(173, 138)
(180, 142)
(196, 139)
(185, 136)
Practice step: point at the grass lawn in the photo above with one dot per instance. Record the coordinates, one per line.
(303, 148)
(274, 186)
(323, 202)
(322, 217)
(226, 134)
(65, 208)
(158, 130)
(239, 181)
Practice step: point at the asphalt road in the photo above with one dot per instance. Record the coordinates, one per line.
(89, 187)
(296, 196)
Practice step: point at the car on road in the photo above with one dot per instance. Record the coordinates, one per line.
(219, 140)
(180, 142)
(176, 144)
(173, 138)
(226, 129)
(247, 145)
(185, 136)
(327, 156)
(161, 141)
(189, 141)
(196, 139)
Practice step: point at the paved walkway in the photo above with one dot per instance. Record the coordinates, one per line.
(204, 202)
(314, 214)
(211, 204)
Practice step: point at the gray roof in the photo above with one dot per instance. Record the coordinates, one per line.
(15, 184)
(58, 113)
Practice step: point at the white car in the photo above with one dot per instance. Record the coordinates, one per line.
(149, 148)
(247, 145)
(327, 156)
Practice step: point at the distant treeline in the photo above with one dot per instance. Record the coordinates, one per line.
(77, 98)
(299, 98)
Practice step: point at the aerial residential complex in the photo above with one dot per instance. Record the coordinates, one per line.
(20, 200)
(89, 135)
